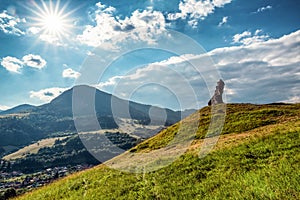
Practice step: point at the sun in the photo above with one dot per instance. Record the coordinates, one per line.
(52, 20)
(53, 24)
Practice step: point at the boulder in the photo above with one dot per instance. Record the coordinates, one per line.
(217, 97)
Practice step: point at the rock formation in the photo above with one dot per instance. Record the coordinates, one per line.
(217, 98)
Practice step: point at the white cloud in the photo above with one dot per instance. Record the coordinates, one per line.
(220, 3)
(70, 73)
(273, 52)
(293, 99)
(262, 9)
(12, 64)
(175, 75)
(46, 95)
(33, 30)
(152, 81)
(52, 39)
(224, 21)
(141, 25)
(237, 38)
(229, 91)
(193, 23)
(262, 72)
(89, 53)
(46, 37)
(9, 24)
(174, 16)
(247, 37)
(2, 107)
(34, 61)
(195, 10)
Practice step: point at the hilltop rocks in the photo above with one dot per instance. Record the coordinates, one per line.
(217, 98)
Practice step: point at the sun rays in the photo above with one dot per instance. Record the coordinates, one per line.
(52, 20)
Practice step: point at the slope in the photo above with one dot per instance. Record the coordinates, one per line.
(256, 157)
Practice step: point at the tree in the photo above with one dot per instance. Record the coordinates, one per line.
(9, 193)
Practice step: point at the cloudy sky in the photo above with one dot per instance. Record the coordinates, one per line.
(168, 53)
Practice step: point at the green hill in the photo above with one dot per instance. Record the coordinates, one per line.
(256, 157)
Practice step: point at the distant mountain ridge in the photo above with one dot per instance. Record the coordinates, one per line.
(18, 109)
(83, 96)
(56, 117)
(63, 104)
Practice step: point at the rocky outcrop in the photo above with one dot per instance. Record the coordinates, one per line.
(217, 98)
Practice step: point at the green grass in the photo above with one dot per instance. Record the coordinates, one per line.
(239, 118)
(251, 161)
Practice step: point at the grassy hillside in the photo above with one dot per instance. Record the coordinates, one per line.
(33, 148)
(256, 157)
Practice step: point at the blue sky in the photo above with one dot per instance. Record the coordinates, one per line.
(49, 46)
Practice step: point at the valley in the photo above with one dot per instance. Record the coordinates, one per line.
(36, 138)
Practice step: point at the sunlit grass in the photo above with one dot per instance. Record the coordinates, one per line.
(257, 162)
